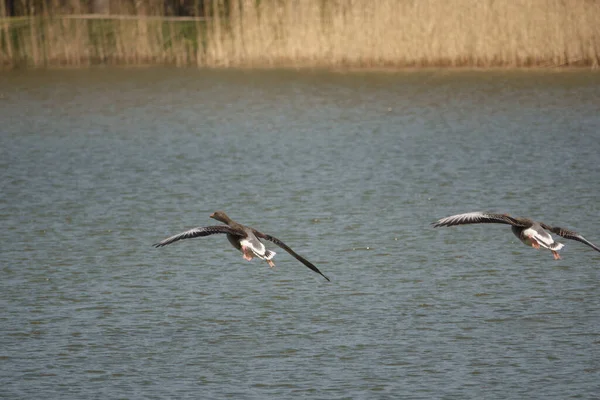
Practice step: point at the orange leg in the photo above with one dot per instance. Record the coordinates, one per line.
(271, 263)
(247, 253)
(556, 255)
(535, 244)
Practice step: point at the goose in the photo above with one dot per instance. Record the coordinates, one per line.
(244, 238)
(530, 232)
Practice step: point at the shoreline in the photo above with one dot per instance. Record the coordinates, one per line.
(359, 35)
(316, 69)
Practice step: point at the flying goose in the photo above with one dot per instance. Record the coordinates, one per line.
(532, 233)
(243, 238)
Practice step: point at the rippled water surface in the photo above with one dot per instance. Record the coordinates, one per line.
(349, 169)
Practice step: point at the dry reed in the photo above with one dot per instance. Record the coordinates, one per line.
(315, 33)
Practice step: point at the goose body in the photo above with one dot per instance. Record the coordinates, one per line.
(530, 232)
(244, 238)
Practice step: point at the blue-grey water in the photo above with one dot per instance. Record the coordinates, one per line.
(349, 169)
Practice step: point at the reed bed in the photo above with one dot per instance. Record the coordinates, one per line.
(315, 33)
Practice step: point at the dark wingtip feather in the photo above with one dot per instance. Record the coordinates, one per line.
(572, 235)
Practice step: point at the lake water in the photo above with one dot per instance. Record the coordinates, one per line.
(349, 169)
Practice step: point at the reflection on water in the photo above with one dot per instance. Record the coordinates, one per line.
(349, 170)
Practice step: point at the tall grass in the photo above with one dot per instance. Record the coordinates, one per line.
(314, 33)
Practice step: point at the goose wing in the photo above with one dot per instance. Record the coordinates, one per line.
(292, 252)
(476, 217)
(569, 234)
(197, 232)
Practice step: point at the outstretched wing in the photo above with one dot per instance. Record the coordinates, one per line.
(476, 217)
(292, 252)
(196, 232)
(568, 234)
